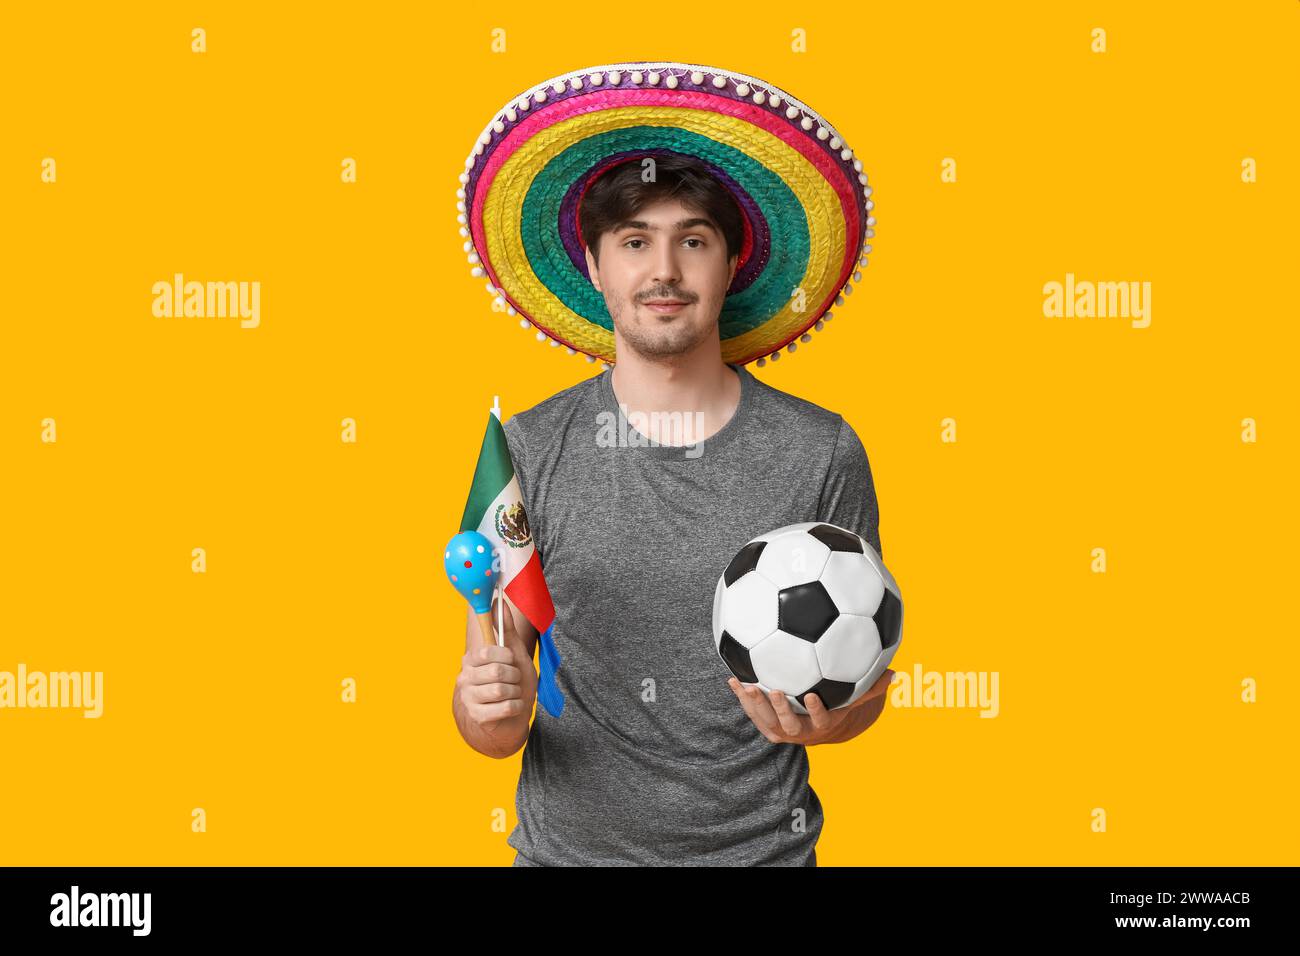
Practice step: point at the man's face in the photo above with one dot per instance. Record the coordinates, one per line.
(667, 254)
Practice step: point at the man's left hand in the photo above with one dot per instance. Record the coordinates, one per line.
(774, 716)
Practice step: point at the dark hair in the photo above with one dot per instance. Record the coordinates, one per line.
(619, 194)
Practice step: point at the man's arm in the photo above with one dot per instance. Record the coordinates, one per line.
(848, 497)
(859, 719)
(774, 716)
(500, 738)
(504, 736)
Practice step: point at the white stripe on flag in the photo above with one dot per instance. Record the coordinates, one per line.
(513, 559)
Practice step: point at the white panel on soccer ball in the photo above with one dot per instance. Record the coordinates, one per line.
(718, 592)
(749, 609)
(872, 675)
(848, 648)
(853, 583)
(793, 558)
(874, 557)
(786, 663)
(887, 655)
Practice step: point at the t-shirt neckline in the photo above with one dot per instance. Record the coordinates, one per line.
(626, 435)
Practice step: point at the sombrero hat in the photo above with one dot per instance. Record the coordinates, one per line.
(803, 192)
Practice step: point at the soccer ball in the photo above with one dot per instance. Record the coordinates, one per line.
(808, 608)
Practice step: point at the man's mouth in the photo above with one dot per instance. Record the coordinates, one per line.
(666, 306)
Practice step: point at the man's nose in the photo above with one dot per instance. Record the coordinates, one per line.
(666, 268)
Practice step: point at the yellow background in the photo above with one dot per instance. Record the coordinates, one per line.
(1119, 691)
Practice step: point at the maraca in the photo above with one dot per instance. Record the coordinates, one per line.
(469, 561)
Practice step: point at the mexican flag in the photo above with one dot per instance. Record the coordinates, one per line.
(496, 509)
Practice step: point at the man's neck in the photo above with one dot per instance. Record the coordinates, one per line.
(698, 386)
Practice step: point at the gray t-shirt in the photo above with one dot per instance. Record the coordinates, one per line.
(654, 761)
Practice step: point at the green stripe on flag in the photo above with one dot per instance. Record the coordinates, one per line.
(491, 475)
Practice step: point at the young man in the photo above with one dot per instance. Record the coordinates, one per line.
(640, 484)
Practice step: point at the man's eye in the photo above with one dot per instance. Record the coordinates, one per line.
(700, 243)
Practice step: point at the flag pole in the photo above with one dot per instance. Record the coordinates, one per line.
(501, 603)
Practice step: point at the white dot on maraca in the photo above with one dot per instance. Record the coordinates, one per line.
(480, 549)
(447, 555)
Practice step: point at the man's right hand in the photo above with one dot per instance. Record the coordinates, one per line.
(496, 688)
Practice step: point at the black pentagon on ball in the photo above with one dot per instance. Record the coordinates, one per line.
(836, 539)
(888, 618)
(736, 656)
(746, 560)
(805, 610)
(832, 693)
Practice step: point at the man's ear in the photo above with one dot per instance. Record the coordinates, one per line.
(735, 261)
(592, 270)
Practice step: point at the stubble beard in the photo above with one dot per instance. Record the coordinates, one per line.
(674, 338)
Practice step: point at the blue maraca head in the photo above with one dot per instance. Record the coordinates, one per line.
(469, 563)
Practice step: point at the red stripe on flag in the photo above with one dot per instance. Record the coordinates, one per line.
(527, 591)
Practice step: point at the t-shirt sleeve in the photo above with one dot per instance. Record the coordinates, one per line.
(848, 496)
(518, 456)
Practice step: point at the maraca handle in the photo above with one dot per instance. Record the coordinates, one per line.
(485, 626)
